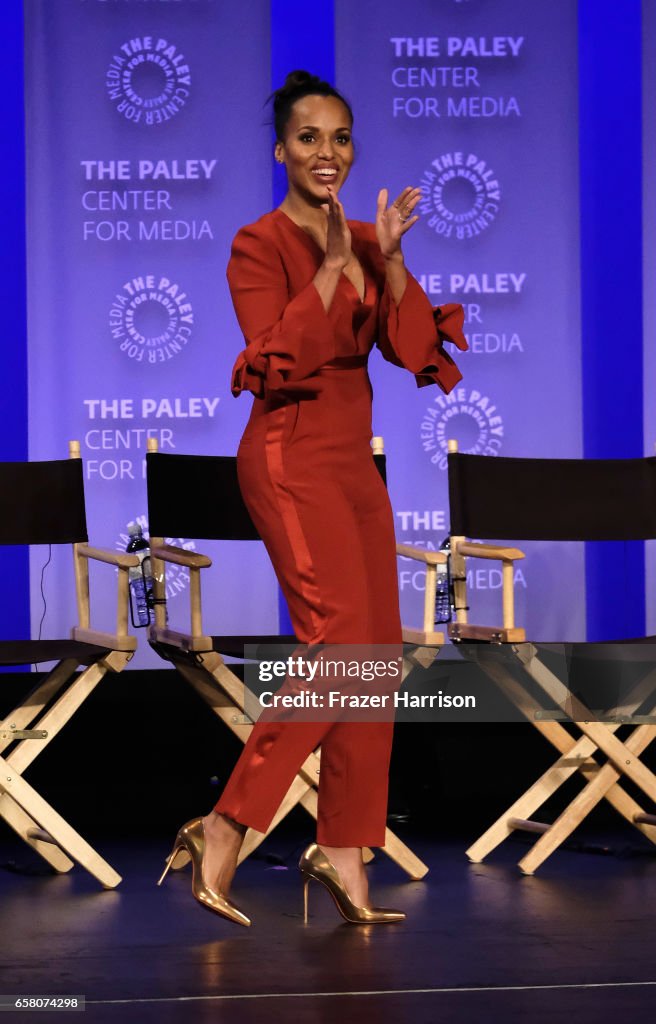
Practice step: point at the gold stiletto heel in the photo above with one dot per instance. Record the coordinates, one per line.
(169, 863)
(191, 838)
(306, 884)
(315, 864)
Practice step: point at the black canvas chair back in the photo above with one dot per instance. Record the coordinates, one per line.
(552, 499)
(198, 496)
(42, 502)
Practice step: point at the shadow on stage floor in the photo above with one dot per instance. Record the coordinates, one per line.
(481, 942)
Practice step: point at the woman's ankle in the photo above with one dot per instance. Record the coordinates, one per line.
(223, 828)
(342, 852)
(221, 853)
(347, 861)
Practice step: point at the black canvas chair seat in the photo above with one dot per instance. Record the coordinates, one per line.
(43, 503)
(595, 688)
(233, 646)
(198, 497)
(34, 652)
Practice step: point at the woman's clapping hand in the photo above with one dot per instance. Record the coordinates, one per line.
(392, 222)
(338, 240)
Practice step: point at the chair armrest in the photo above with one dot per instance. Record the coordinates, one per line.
(461, 630)
(123, 561)
(493, 551)
(421, 554)
(194, 561)
(426, 636)
(179, 556)
(121, 639)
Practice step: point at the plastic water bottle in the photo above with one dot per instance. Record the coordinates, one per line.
(140, 576)
(443, 588)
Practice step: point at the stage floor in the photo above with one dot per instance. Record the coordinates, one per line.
(481, 943)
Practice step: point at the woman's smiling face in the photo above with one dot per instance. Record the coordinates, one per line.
(317, 150)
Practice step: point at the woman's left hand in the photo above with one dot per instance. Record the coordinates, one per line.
(393, 221)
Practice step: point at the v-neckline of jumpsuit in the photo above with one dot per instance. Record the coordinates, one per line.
(315, 247)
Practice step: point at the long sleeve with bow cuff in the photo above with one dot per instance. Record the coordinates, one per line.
(413, 333)
(289, 335)
(287, 339)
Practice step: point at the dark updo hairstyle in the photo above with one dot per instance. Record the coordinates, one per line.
(297, 85)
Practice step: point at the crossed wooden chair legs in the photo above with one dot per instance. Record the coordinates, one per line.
(28, 729)
(576, 756)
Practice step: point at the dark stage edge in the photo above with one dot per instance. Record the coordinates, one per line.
(481, 943)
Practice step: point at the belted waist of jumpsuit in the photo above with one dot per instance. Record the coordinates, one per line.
(346, 363)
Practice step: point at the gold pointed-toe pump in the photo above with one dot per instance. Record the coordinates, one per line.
(191, 838)
(315, 864)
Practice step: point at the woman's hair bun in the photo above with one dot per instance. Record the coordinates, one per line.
(298, 84)
(299, 78)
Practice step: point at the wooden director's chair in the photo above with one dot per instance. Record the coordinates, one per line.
(43, 503)
(557, 500)
(198, 497)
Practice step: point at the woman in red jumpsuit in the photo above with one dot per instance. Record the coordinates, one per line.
(313, 293)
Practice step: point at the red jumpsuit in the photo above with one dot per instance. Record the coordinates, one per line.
(310, 483)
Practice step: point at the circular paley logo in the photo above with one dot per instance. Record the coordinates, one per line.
(461, 195)
(151, 319)
(466, 416)
(177, 576)
(148, 80)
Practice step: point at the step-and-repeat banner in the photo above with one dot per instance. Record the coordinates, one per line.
(148, 148)
(476, 102)
(649, 277)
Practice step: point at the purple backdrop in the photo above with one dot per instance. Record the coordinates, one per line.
(649, 278)
(147, 149)
(476, 102)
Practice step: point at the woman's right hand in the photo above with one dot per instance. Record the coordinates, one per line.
(338, 241)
